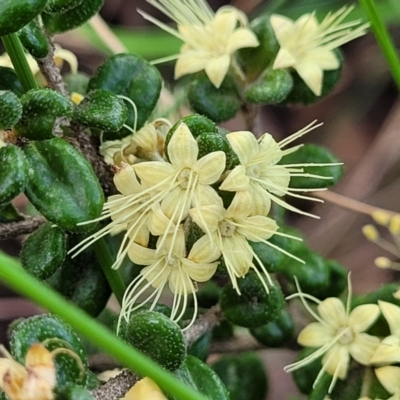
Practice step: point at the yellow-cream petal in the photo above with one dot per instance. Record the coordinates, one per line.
(362, 317)
(174, 241)
(158, 223)
(389, 377)
(245, 145)
(176, 205)
(126, 181)
(336, 361)
(284, 59)
(391, 313)
(332, 312)
(315, 335)
(363, 347)
(241, 205)
(205, 195)
(224, 24)
(180, 282)
(200, 272)
(145, 389)
(312, 75)
(256, 227)
(217, 68)
(210, 167)
(142, 255)
(152, 173)
(275, 178)
(269, 150)
(157, 274)
(182, 148)
(241, 38)
(237, 180)
(207, 217)
(386, 353)
(237, 253)
(190, 62)
(204, 250)
(324, 58)
(283, 28)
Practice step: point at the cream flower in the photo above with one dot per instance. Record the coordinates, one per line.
(33, 381)
(145, 389)
(339, 334)
(209, 39)
(389, 377)
(145, 144)
(168, 263)
(388, 351)
(228, 232)
(259, 171)
(308, 46)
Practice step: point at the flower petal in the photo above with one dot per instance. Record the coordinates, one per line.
(217, 68)
(241, 205)
(180, 282)
(224, 24)
(256, 227)
(283, 28)
(152, 173)
(389, 377)
(284, 59)
(336, 361)
(240, 39)
(245, 145)
(142, 255)
(210, 167)
(182, 148)
(175, 205)
(238, 255)
(126, 181)
(362, 317)
(315, 335)
(391, 313)
(363, 347)
(190, 62)
(312, 75)
(237, 180)
(323, 57)
(207, 217)
(204, 196)
(388, 352)
(204, 250)
(200, 272)
(332, 312)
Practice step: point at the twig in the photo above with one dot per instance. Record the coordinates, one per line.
(350, 204)
(203, 324)
(51, 72)
(107, 35)
(115, 388)
(27, 225)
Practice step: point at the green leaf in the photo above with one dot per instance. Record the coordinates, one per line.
(62, 184)
(14, 14)
(101, 109)
(13, 173)
(44, 251)
(44, 112)
(133, 77)
(217, 104)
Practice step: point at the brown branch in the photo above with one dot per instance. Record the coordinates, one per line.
(237, 344)
(203, 324)
(115, 388)
(51, 72)
(27, 225)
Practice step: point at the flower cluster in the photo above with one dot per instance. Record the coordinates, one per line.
(308, 46)
(164, 199)
(339, 335)
(210, 39)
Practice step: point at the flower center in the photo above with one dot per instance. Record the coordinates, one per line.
(254, 171)
(226, 228)
(172, 261)
(347, 335)
(183, 178)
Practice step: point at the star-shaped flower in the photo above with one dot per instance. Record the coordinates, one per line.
(228, 232)
(210, 39)
(33, 381)
(339, 335)
(168, 263)
(259, 171)
(308, 46)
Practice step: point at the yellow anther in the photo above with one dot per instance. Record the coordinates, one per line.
(394, 226)
(76, 97)
(370, 232)
(383, 262)
(381, 217)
